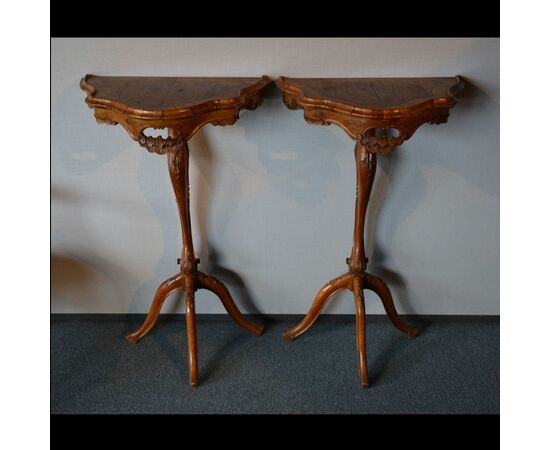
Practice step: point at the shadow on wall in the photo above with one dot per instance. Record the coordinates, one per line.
(80, 148)
(165, 206)
(479, 165)
(213, 257)
(299, 159)
(302, 173)
(69, 275)
(82, 279)
(74, 284)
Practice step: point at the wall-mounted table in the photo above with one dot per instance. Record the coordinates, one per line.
(379, 114)
(182, 105)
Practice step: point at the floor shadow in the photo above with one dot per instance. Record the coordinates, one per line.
(377, 367)
(399, 344)
(174, 348)
(215, 361)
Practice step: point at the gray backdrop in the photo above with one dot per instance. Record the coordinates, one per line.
(273, 197)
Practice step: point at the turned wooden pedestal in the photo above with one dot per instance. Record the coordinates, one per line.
(379, 114)
(182, 105)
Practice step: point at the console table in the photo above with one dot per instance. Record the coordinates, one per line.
(379, 114)
(182, 105)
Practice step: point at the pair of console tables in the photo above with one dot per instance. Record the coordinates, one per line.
(379, 114)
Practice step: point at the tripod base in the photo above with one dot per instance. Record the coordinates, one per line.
(355, 282)
(190, 283)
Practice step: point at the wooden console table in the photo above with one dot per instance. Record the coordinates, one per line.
(379, 114)
(182, 105)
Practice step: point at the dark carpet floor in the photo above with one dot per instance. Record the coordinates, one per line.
(451, 367)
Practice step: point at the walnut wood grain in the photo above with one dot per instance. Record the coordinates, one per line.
(182, 105)
(366, 108)
(373, 96)
(361, 106)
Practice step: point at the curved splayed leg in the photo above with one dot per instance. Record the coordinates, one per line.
(323, 296)
(217, 287)
(381, 289)
(165, 289)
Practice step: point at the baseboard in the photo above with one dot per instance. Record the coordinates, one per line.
(276, 317)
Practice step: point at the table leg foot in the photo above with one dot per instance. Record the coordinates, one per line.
(191, 332)
(288, 336)
(360, 330)
(356, 282)
(323, 296)
(165, 289)
(378, 286)
(215, 286)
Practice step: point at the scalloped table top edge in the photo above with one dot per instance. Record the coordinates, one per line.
(372, 97)
(158, 97)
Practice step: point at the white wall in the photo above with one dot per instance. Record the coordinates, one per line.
(273, 197)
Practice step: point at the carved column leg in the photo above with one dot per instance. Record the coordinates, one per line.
(365, 166)
(360, 330)
(178, 166)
